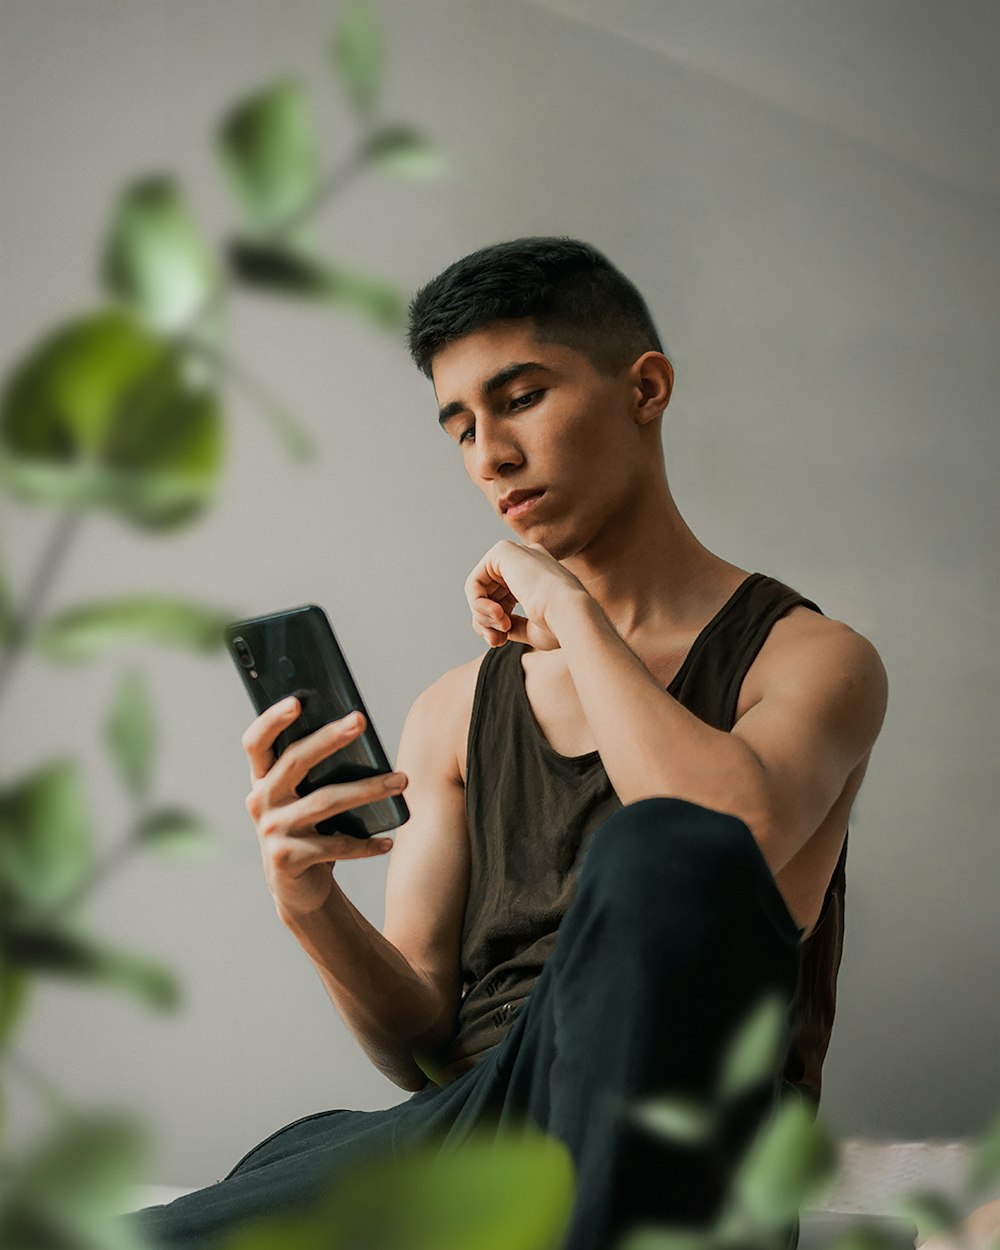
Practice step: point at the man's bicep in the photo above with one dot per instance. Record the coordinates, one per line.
(816, 721)
(428, 877)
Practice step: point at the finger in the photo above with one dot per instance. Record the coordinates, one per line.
(302, 755)
(484, 580)
(489, 628)
(305, 813)
(490, 617)
(518, 631)
(294, 855)
(258, 738)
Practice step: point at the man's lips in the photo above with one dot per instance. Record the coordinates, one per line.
(523, 504)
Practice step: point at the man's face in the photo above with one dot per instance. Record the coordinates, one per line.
(558, 427)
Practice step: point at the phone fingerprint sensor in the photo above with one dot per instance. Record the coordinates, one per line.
(285, 666)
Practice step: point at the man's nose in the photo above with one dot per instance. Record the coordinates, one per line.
(494, 449)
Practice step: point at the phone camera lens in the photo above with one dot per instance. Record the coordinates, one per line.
(243, 653)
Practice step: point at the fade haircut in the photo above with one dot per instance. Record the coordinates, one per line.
(572, 293)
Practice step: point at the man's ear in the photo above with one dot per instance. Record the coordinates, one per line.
(654, 385)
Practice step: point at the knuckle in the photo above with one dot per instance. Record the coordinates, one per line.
(269, 824)
(326, 801)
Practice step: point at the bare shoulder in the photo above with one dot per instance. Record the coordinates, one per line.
(802, 629)
(806, 650)
(447, 702)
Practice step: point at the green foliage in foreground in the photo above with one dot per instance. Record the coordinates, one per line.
(119, 411)
(494, 1193)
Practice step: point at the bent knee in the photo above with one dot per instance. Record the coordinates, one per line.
(659, 836)
(676, 822)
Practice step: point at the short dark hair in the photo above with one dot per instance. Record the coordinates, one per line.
(572, 293)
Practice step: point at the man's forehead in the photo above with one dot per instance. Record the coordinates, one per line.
(489, 359)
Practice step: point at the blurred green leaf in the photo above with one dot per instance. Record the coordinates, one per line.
(282, 269)
(753, 1052)
(291, 1232)
(790, 1159)
(492, 1193)
(63, 952)
(357, 53)
(89, 1167)
(13, 998)
(269, 151)
(68, 1193)
(6, 608)
(679, 1118)
(130, 732)
(175, 832)
(984, 1167)
(82, 632)
(403, 152)
(930, 1212)
(650, 1237)
(154, 258)
(100, 415)
(44, 838)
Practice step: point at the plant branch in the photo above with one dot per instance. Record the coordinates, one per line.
(52, 557)
(334, 183)
(59, 1105)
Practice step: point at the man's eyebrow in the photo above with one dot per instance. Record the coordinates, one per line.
(499, 379)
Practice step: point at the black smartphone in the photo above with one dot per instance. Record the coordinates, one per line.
(295, 651)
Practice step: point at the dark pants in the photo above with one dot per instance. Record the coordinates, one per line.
(676, 932)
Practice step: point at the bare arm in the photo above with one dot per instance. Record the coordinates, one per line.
(785, 761)
(397, 993)
(388, 1007)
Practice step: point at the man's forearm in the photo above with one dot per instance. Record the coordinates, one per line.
(389, 1008)
(650, 744)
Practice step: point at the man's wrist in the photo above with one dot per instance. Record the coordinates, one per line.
(317, 917)
(572, 609)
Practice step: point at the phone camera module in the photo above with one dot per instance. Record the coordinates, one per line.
(243, 653)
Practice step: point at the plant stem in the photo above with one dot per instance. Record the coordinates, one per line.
(297, 442)
(101, 871)
(334, 183)
(60, 1106)
(55, 552)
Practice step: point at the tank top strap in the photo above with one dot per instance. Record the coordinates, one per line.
(709, 681)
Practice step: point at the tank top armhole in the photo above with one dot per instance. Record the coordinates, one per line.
(777, 609)
(476, 714)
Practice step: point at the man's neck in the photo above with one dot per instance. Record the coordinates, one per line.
(651, 575)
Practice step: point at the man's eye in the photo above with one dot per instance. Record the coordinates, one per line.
(515, 401)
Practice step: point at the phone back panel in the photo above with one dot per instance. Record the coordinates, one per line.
(295, 651)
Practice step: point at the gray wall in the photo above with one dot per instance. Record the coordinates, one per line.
(815, 228)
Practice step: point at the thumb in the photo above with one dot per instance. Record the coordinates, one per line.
(520, 628)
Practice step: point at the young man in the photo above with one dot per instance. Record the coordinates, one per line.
(653, 762)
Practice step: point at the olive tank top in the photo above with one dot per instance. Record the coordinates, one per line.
(530, 812)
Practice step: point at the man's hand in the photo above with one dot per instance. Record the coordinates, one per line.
(298, 861)
(512, 573)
